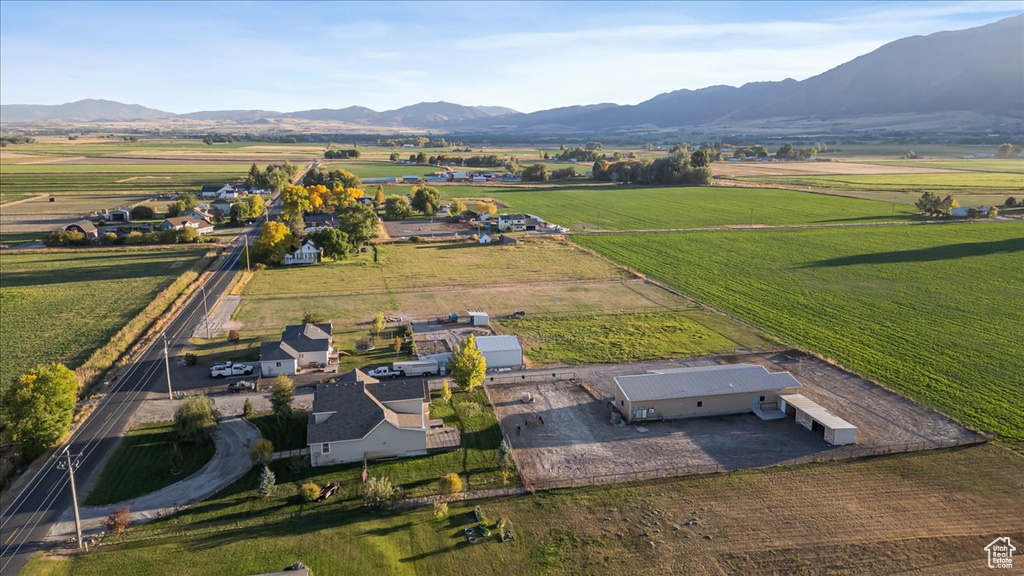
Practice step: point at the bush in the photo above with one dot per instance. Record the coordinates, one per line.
(119, 521)
(247, 411)
(194, 420)
(450, 483)
(268, 483)
(191, 359)
(142, 212)
(440, 510)
(415, 239)
(309, 491)
(262, 452)
(379, 492)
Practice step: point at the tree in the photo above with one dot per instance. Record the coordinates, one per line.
(458, 207)
(313, 318)
(185, 202)
(256, 178)
(426, 199)
(398, 344)
(37, 408)
(379, 322)
(295, 200)
(262, 451)
(468, 365)
(446, 392)
(118, 522)
(378, 197)
(1010, 202)
(1007, 150)
(359, 222)
(268, 483)
(993, 212)
(334, 243)
(378, 492)
(273, 242)
(247, 410)
(450, 483)
(281, 395)
(786, 152)
(397, 207)
(142, 212)
(487, 208)
(535, 173)
(248, 208)
(505, 461)
(194, 420)
(701, 158)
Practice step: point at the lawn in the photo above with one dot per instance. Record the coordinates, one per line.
(284, 435)
(143, 464)
(57, 306)
(628, 337)
(776, 520)
(957, 184)
(925, 310)
(643, 208)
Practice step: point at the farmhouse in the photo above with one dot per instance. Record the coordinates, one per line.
(198, 214)
(702, 391)
(356, 417)
(216, 191)
(221, 206)
(301, 346)
(179, 222)
(501, 351)
(518, 222)
(306, 253)
(85, 227)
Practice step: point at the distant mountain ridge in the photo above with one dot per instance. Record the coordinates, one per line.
(978, 71)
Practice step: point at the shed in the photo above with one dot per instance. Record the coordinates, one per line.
(119, 215)
(501, 351)
(816, 418)
(479, 318)
(484, 239)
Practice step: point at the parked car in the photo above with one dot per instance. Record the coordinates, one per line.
(242, 386)
(383, 372)
(230, 369)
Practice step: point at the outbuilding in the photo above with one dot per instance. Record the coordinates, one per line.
(479, 318)
(703, 391)
(501, 351)
(816, 418)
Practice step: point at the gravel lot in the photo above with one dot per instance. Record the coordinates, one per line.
(577, 442)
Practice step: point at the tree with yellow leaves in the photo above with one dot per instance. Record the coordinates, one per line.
(294, 200)
(273, 242)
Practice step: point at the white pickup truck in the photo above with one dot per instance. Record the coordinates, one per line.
(406, 369)
(230, 369)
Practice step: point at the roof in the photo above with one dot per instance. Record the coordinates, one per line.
(497, 343)
(398, 390)
(817, 411)
(512, 217)
(183, 220)
(357, 408)
(356, 375)
(477, 313)
(270, 351)
(308, 337)
(302, 245)
(214, 187)
(85, 225)
(703, 381)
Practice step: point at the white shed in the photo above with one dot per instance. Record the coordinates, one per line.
(501, 351)
(814, 417)
(479, 317)
(484, 239)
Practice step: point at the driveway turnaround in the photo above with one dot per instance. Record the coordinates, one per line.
(233, 438)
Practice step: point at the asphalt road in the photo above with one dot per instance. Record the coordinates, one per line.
(26, 520)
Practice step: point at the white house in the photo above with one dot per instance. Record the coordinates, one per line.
(179, 222)
(306, 253)
(215, 190)
(301, 346)
(518, 222)
(356, 417)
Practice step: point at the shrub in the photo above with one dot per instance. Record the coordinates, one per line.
(309, 491)
(415, 239)
(175, 460)
(247, 410)
(450, 483)
(191, 359)
(194, 420)
(262, 452)
(446, 392)
(268, 483)
(119, 521)
(440, 510)
(281, 395)
(234, 336)
(142, 212)
(379, 492)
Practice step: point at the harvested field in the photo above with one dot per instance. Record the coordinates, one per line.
(576, 444)
(739, 169)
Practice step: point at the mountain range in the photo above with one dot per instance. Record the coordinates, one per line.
(978, 71)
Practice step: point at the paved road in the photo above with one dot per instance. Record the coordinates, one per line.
(27, 518)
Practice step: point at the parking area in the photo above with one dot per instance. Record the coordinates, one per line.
(437, 228)
(565, 436)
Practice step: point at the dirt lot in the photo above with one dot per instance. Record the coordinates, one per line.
(738, 169)
(577, 443)
(439, 228)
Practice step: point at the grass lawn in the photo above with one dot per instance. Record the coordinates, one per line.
(957, 184)
(764, 521)
(643, 208)
(143, 462)
(925, 310)
(58, 306)
(287, 435)
(628, 337)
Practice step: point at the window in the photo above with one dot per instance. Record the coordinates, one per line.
(325, 448)
(622, 403)
(278, 364)
(762, 398)
(699, 404)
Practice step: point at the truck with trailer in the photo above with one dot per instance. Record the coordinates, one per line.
(406, 369)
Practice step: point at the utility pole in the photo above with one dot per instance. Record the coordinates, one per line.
(206, 311)
(70, 466)
(247, 269)
(167, 367)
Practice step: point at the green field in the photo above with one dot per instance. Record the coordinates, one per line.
(58, 306)
(383, 169)
(957, 184)
(142, 464)
(929, 311)
(629, 337)
(636, 208)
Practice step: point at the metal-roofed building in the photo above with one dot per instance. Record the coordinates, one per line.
(702, 391)
(501, 351)
(816, 418)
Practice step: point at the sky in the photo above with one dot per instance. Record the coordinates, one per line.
(289, 56)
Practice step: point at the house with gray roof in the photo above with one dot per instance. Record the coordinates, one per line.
(301, 347)
(702, 391)
(356, 417)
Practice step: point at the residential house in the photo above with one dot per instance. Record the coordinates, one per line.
(306, 253)
(179, 222)
(301, 346)
(221, 206)
(85, 227)
(215, 190)
(518, 222)
(198, 213)
(355, 417)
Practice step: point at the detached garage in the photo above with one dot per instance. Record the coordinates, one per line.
(703, 391)
(501, 351)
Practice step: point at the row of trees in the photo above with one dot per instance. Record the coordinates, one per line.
(417, 141)
(673, 170)
(274, 177)
(60, 238)
(324, 176)
(342, 154)
(487, 161)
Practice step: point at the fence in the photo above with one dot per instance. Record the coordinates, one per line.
(284, 454)
(510, 379)
(829, 456)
